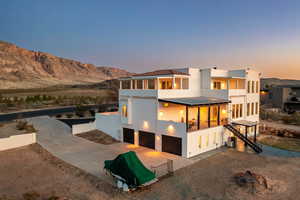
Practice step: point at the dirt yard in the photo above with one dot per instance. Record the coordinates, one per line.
(212, 179)
(33, 171)
(98, 137)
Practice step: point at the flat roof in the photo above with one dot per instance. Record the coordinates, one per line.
(161, 72)
(244, 123)
(195, 101)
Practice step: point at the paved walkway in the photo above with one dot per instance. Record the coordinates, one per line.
(271, 151)
(56, 137)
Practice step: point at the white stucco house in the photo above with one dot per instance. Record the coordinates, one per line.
(185, 111)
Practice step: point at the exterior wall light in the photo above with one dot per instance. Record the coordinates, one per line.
(165, 104)
(171, 129)
(161, 113)
(146, 125)
(223, 111)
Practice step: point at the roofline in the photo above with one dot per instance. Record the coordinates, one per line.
(204, 104)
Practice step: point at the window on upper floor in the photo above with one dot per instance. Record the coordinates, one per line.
(151, 84)
(257, 86)
(219, 84)
(177, 84)
(253, 87)
(185, 83)
(248, 109)
(139, 84)
(237, 111)
(248, 86)
(252, 108)
(256, 108)
(165, 83)
(126, 84)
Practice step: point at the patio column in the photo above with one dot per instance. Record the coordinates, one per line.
(120, 84)
(246, 134)
(187, 118)
(209, 116)
(255, 133)
(198, 122)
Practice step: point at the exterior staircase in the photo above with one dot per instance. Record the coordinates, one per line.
(253, 145)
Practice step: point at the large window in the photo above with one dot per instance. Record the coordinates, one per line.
(257, 86)
(223, 114)
(214, 116)
(193, 118)
(253, 86)
(252, 108)
(203, 117)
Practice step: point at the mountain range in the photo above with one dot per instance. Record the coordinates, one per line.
(22, 68)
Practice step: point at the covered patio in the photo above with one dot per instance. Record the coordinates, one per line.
(197, 112)
(247, 125)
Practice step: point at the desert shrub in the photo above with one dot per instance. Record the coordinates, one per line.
(69, 115)
(92, 112)
(30, 128)
(21, 125)
(31, 195)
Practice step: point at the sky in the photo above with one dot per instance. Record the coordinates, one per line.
(145, 35)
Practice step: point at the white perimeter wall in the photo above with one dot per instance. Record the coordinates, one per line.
(80, 128)
(17, 141)
(109, 124)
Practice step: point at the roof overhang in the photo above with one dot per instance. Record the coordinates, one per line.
(195, 101)
(244, 123)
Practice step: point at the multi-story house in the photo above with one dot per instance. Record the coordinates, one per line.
(185, 111)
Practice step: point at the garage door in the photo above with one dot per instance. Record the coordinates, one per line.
(128, 135)
(147, 139)
(171, 145)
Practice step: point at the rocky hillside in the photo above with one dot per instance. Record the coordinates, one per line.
(22, 68)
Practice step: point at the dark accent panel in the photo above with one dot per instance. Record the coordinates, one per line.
(128, 135)
(172, 145)
(147, 139)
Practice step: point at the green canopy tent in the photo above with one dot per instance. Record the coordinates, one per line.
(129, 167)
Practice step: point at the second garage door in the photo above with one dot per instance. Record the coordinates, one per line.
(172, 145)
(147, 139)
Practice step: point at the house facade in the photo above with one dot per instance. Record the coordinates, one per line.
(183, 111)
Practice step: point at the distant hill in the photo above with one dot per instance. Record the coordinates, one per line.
(22, 68)
(265, 82)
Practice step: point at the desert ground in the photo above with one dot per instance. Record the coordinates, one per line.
(32, 172)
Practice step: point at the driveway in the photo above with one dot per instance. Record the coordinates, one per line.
(56, 137)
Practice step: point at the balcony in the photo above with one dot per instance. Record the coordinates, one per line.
(196, 113)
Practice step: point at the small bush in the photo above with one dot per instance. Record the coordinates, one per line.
(21, 125)
(69, 115)
(31, 195)
(58, 116)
